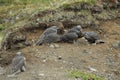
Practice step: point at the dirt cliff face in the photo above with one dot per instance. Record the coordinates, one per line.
(84, 14)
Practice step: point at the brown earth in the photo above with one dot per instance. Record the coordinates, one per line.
(53, 63)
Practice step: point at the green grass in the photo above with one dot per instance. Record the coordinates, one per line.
(12, 8)
(118, 45)
(1, 36)
(1, 27)
(84, 76)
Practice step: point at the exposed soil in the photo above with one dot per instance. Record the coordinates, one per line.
(45, 62)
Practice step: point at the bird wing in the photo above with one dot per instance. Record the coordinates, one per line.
(45, 33)
(52, 37)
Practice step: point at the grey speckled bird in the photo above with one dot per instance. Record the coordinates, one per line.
(52, 29)
(91, 36)
(51, 38)
(69, 37)
(18, 63)
(78, 30)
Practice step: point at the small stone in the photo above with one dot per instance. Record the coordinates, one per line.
(64, 61)
(52, 46)
(44, 60)
(41, 74)
(1, 59)
(2, 71)
(37, 50)
(59, 57)
(65, 30)
(56, 46)
(61, 67)
(92, 69)
(38, 19)
(27, 43)
(85, 51)
(11, 76)
(116, 46)
(17, 17)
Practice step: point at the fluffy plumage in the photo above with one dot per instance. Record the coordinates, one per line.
(91, 36)
(69, 37)
(77, 30)
(18, 62)
(48, 31)
(51, 38)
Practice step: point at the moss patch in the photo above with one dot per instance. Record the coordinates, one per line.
(84, 76)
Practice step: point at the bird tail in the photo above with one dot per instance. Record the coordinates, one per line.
(40, 41)
(100, 41)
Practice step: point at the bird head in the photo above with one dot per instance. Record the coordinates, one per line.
(79, 27)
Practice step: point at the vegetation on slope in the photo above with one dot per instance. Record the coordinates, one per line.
(14, 11)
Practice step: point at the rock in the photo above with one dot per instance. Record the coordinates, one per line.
(1, 71)
(44, 60)
(27, 43)
(11, 76)
(59, 57)
(41, 74)
(52, 46)
(116, 45)
(1, 59)
(56, 46)
(92, 69)
(85, 52)
(64, 61)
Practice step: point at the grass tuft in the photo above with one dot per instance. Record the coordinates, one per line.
(1, 27)
(84, 76)
(1, 36)
(118, 45)
(14, 11)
